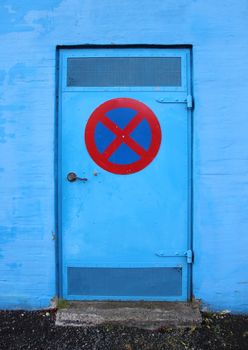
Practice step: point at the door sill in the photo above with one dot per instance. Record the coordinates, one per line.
(141, 314)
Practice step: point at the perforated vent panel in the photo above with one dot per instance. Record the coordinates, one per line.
(156, 281)
(123, 71)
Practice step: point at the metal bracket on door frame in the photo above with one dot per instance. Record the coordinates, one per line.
(188, 254)
(188, 100)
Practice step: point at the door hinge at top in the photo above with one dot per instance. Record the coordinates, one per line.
(190, 102)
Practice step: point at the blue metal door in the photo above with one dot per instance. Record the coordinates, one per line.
(124, 217)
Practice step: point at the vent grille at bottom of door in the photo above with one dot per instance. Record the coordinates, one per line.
(117, 282)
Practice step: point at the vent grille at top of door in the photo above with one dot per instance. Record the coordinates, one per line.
(123, 71)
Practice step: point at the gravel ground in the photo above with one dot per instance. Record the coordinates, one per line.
(36, 330)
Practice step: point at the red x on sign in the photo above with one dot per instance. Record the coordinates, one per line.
(141, 136)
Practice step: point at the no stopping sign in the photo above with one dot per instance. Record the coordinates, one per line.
(123, 135)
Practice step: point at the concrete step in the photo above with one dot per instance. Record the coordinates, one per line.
(146, 315)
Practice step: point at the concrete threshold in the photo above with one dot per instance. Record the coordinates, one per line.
(146, 315)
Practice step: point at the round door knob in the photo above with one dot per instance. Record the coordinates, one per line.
(73, 177)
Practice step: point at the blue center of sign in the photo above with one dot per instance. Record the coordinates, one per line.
(104, 137)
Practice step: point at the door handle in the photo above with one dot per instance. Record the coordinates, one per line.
(71, 177)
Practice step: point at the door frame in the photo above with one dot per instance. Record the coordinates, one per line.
(57, 235)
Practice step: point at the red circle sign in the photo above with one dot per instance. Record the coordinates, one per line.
(123, 135)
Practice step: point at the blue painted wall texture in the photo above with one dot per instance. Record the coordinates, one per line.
(30, 31)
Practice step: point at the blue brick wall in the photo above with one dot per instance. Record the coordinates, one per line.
(30, 31)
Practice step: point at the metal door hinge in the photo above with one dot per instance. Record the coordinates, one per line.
(189, 255)
(190, 102)
(166, 254)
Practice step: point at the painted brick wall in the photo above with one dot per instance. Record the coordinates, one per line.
(30, 31)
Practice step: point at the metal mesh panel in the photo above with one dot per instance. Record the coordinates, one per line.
(143, 282)
(123, 71)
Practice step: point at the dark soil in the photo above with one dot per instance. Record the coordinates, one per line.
(36, 330)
